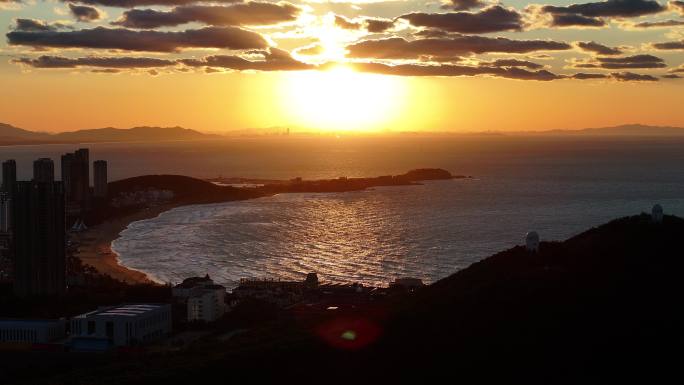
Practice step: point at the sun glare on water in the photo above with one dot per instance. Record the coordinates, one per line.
(341, 99)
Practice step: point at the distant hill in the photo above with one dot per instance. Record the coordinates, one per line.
(623, 130)
(10, 135)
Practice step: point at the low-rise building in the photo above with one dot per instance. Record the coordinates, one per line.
(32, 331)
(123, 325)
(207, 304)
(190, 287)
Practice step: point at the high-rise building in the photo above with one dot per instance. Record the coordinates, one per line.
(65, 167)
(9, 175)
(39, 237)
(5, 212)
(76, 176)
(100, 178)
(43, 170)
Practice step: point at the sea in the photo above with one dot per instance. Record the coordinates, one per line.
(558, 186)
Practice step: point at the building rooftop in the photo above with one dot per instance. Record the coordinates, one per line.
(126, 310)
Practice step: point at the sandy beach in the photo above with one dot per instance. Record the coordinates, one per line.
(95, 245)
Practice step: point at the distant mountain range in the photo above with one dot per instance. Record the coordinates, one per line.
(10, 135)
(622, 130)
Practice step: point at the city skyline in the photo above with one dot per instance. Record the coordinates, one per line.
(347, 66)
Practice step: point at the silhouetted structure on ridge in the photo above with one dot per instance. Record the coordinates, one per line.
(43, 170)
(532, 242)
(39, 238)
(657, 214)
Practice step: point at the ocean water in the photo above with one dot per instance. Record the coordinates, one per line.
(558, 187)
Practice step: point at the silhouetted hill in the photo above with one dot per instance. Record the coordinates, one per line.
(627, 130)
(184, 188)
(16, 134)
(142, 134)
(597, 307)
(13, 135)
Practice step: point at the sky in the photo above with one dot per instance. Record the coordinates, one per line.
(342, 66)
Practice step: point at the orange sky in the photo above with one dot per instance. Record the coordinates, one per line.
(266, 77)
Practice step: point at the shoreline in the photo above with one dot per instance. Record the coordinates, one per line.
(95, 245)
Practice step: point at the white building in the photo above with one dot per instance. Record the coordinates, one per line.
(208, 304)
(124, 325)
(31, 331)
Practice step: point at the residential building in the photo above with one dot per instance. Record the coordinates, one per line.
(43, 170)
(9, 175)
(100, 178)
(38, 238)
(123, 325)
(190, 287)
(208, 304)
(76, 176)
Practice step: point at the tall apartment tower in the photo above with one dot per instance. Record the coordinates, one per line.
(5, 214)
(100, 178)
(65, 166)
(43, 170)
(39, 238)
(76, 176)
(9, 175)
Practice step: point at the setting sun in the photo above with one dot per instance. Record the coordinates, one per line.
(341, 99)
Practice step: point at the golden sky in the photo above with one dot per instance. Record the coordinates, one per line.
(458, 65)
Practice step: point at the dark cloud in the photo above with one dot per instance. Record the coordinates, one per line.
(636, 61)
(464, 5)
(378, 25)
(34, 25)
(399, 48)
(345, 23)
(252, 13)
(453, 70)
(670, 45)
(268, 60)
(492, 19)
(560, 20)
(631, 76)
(677, 5)
(84, 12)
(659, 24)
(585, 76)
(610, 8)
(138, 3)
(671, 76)
(600, 49)
(105, 71)
(515, 63)
(679, 69)
(125, 39)
(92, 61)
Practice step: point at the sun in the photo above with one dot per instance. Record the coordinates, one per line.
(342, 100)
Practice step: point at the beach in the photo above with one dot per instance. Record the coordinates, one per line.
(95, 245)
